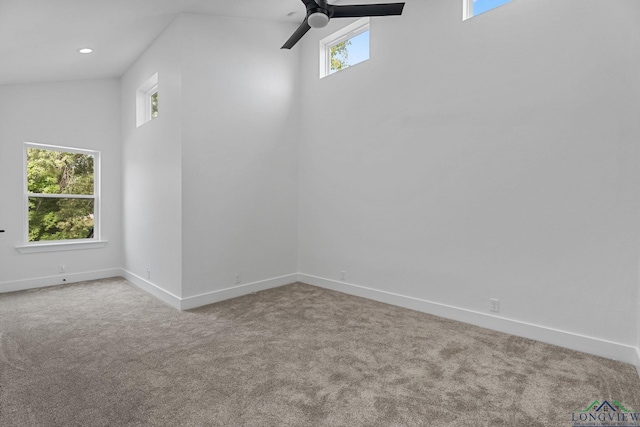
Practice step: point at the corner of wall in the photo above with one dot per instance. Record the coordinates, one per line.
(153, 289)
(152, 172)
(200, 300)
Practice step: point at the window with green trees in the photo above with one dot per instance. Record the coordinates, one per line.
(61, 193)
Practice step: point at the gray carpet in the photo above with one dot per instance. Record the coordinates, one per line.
(106, 354)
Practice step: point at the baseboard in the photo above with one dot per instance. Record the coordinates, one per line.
(188, 303)
(235, 291)
(149, 287)
(59, 279)
(608, 349)
(611, 350)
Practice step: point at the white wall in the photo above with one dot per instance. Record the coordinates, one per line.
(210, 186)
(152, 170)
(491, 158)
(240, 174)
(80, 114)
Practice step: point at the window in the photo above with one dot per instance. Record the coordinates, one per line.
(147, 101)
(476, 7)
(345, 48)
(61, 194)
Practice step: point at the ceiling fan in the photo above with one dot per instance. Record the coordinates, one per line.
(319, 12)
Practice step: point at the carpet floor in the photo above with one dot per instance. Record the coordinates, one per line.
(104, 353)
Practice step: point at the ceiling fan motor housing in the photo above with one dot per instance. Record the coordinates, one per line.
(318, 19)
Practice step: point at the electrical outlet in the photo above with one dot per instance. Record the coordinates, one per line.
(61, 268)
(342, 275)
(494, 304)
(148, 274)
(237, 279)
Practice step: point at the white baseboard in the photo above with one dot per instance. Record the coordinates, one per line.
(599, 347)
(59, 279)
(236, 291)
(147, 286)
(151, 288)
(604, 348)
(194, 301)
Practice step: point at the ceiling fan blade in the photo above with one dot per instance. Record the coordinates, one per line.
(301, 31)
(360, 10)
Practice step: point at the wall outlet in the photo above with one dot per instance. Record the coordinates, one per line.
(61, 268)
(237, 279)
(494, 304)
(343, 275)
(148, 273)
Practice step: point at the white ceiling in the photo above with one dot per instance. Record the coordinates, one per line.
(39, 39)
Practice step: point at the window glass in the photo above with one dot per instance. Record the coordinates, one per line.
(60, 219)
(349, 52)
(154, 104)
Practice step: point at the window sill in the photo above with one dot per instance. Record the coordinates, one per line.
(60, 246)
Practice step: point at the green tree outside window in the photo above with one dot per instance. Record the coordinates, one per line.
(339, 56)
(154, 105)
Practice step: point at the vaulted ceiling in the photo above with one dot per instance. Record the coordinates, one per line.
(39, 39)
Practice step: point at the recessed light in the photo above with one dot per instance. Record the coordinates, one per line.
(85, 50)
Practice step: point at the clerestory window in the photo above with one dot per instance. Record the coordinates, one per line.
(472, 8)
(345, 48)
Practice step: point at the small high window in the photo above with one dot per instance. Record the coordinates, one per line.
(61, 193)
(345, 48)
(476, 7)
(147, 101)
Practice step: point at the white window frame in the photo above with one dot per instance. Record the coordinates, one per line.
(143, 100)
(57, 245)
(352, 30)
(467, 9)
